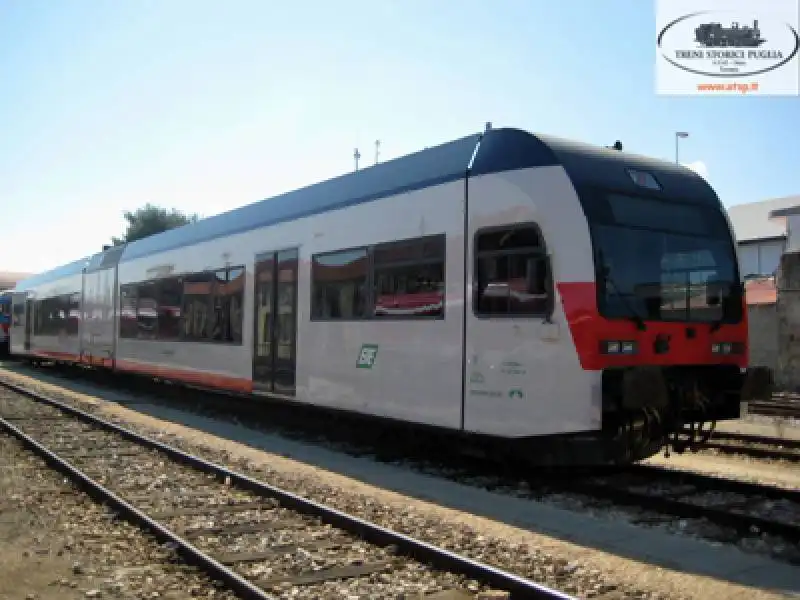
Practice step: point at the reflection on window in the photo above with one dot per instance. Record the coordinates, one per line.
(285, 308)
(264, 308)
(19, 315)
(512, 273)
(662, 275)
(409, 278)
(228, 288)
(147, 310)
(128, 327)
(404, 278)
(57, 316)
(339, 282)
(198, 307)
(169, 308)
(658, 214)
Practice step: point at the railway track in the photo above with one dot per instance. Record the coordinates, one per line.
(780, 405)
(738, 510)
(258, 540)
(756, 446)
(747, 509)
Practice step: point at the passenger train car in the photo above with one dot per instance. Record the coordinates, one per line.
(575, 303)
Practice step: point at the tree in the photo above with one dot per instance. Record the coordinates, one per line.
(149, 220)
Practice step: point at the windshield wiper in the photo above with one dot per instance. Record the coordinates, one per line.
(605, 273)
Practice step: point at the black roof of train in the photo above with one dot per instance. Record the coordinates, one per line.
(494, 151)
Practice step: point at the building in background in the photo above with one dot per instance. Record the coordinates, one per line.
(762, 232)
(762, 238)
(9, 279)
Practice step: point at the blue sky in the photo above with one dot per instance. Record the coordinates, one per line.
(206, 105)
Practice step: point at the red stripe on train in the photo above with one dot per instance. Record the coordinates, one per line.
(589, 329)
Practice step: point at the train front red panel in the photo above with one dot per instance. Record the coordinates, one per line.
(589, 329)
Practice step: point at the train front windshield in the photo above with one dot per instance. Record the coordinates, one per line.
(664, 260)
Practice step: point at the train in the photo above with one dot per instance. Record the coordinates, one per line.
(714, 35)
(5, 323)
(567, 303)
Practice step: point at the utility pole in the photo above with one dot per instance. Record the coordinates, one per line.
(679, 135)
(377, 150)
(356, 156)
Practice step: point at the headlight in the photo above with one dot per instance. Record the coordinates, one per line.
(725, 348)
(618, 347)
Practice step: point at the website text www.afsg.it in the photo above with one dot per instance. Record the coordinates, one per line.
(742, 88)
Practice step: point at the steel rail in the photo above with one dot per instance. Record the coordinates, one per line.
(716, 483)
(746, 438)
(519, 587)
(241, 586)
(679, 504)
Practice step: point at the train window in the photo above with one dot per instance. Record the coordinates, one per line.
(197, 306)
(39, 318)
(512, 273)
(657, 214)
(169, 302)
(55, 316)
(147, 310)
(409, 278)
(339, 285)
(226, 323)
(73, 313)
(18, 315)
(235, 293)
(128, 327)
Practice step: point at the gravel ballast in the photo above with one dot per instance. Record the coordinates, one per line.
(575, 570)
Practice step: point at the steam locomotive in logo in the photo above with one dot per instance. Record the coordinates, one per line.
(714, 35)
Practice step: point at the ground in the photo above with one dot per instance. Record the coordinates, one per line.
(637, 574)
(30, 565)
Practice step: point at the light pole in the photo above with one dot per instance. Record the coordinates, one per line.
(678, 136)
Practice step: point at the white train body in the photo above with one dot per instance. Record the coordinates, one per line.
(420, 325)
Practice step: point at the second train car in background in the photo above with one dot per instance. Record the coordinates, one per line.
(5, 322)
(573, 304)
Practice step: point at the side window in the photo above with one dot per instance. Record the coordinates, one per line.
(168, 308)
(228, 285)
(220, 324)
(128, 327)
(409, 278)
(51, 316)
(147, 310)
(197, 306)
(38, 317)
(234, 290)
(18, 315)
(339, 285)
(512, 273)
(73, 313)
